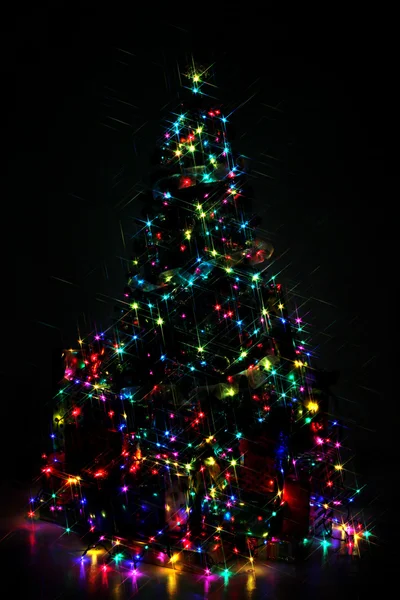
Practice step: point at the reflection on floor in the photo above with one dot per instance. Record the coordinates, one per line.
(41, 560)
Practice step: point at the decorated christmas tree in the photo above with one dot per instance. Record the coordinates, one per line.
(196, 429)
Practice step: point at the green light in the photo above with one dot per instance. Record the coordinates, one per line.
(308, 420)
(68, 530)
(274, 514)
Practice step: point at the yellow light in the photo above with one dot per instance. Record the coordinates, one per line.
(326, 506)
(243, 354)
(203, 215)
(233, 463)
(178, 153)
(80, 341)
(160, 321)
(298, 363)
(219, 528)
(264, 312)
(135, 306)
(338, 467)
(280, 306)
(266, 364)
(174, 558)
(135, 262)
(229, 269)
(192, 148)
(199, 130)
(200, 349)
(214, 252)
(188, 467)
(210, 462)
(312, 406)
(188, 234)
(196, 78)
(125, 416)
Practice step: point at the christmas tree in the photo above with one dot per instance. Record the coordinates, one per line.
(196, 430)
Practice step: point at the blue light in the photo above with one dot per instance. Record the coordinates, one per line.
(167, 433)
(167, 195)
(283, 320)
(205, 143)
(223, 119)
(162, 357)
(148, 223)
(239, 323)
(227, 516)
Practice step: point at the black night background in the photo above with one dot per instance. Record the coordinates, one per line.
(311, 109)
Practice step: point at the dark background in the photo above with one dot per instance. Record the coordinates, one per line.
(89, 97)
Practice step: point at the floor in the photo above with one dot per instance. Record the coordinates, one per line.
(41, 561)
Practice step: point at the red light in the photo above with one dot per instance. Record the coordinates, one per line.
(76, 412)
(183, 248)
(111, 413)
(217, 307)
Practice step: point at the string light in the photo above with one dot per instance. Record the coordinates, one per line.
(134, 378)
